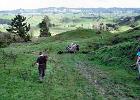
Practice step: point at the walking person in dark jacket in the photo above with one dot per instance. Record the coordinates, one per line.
(41, 62)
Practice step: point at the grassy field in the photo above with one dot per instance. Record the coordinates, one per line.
(66, 22)
(63, 22)
(102, 73)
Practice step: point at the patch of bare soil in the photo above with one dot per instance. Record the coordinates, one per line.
(106, 87)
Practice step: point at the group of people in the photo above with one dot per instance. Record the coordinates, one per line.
(43, 58)
(72, 48)
(42, 61)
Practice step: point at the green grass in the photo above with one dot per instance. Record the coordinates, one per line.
(103, 73)
(60, 27)
(63, 81)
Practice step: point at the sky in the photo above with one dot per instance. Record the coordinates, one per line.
(31, 4)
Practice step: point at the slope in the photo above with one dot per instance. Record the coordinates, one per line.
(91, 76)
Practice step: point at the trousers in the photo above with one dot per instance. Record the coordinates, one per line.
(41, 70)
(139, 68)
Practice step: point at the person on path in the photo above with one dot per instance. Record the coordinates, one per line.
(41, 62)
(138, 62)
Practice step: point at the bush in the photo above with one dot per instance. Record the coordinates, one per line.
(121, 54)
(116, 39)
(3, 44)
(95, 46)
(44, 27)
(5, 39)
(98, 32)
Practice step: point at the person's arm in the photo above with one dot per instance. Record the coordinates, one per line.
(138, 59)
(46, 58)
(37, 61)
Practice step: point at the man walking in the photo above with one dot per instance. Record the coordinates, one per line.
(41, 62)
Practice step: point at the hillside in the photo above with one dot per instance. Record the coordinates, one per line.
(100, 70)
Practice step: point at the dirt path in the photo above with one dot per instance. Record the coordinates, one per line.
(91, 75)
(100, 80)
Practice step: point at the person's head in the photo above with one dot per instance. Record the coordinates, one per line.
(46, 49)
(40, 53)
(72, 43)
(138, 49)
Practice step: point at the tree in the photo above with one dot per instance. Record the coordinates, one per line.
(19, 27)
(44, 27)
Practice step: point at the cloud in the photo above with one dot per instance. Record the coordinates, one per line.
(28, 4)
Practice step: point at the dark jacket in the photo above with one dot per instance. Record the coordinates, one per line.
(41, 60)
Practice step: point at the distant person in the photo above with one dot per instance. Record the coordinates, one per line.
(77, 47)
(72, 48)
(41, 62)
(71, 45)
(138, 62)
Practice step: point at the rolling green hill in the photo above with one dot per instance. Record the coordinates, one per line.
(100, 70)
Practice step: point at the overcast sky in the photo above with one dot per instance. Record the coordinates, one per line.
(29, 4)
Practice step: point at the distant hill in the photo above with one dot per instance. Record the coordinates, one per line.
(73, 10)
(127, 20)
(5, 21)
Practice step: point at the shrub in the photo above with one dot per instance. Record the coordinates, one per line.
(116, 39)
(98, 32)
(44, 27)
(120, 54)
(5, 39)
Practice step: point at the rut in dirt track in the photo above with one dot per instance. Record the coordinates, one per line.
(100, 80)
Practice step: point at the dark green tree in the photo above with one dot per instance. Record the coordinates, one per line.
(20, 27)
(44, 27)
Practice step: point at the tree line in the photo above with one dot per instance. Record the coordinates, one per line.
(20, 27)
(5, 21)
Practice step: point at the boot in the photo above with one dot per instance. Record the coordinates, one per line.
(40, 79)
